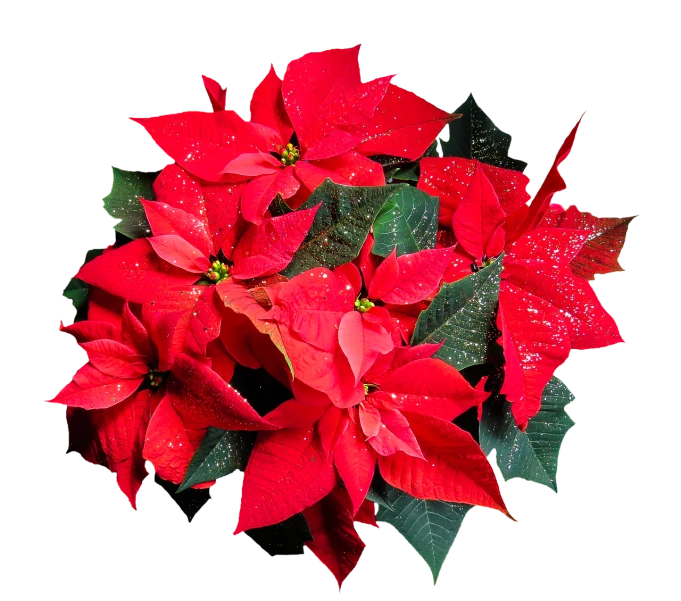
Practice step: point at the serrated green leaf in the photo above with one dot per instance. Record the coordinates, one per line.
(408, 221)
(533, 454)
(474, 136)
(429, 526)
(123, 201)
(462, 314)
(279, 207)
(190, 501)
(341, 225)
(219, 454)
(77, 290)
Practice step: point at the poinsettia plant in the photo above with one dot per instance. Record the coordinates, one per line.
(326, 299)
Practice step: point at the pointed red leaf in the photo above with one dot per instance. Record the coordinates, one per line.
(204, 399)
(239, 299)
(553, 183)
(267, 107)
(404, 125)
(183, 321)
(448, 178)
(310, 80)
(114, 438)
(407, 354)
(269, 247)
(220, 360)
(203, 143)
(165, 219)
(455, 468)
(294, 414)
(179, 253)
(286, 473)
(354, 168)
(91, 389)
(327, 372)
(312, 175)
(135, 335)
(237, 333)
(394, 434)
(362, 341)
(103, 306)
(351, 341)
(352, 275)
(355, 463)
(169, 444)
(478, 220)
(133, 272)
(115, 359)
(418, 275)
(312, 304)
(252, 164)
(331, 427)
(257, 194)
(367, 262)
(429, 386)
(536, 340)
(216, 93)
(335, 540)
(509, 186)
(539, 263)
(336, 544)
(384, 278)
(369, 419)
(176, 187)
(216, 205)
(602, 248)
(367, 514)
(85, 331)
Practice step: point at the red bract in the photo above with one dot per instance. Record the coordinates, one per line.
(199, 238)
(403, 285)
(123, 409)
(404, 415)
(320, 122)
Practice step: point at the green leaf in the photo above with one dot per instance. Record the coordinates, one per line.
(341, 224)
(407, 173)
(279, 207)
(219, 454)
(532, 454)
(474, 136)
(463, 315)
(284, 540)
(378, 491)
(123, 201)
(77, 290)
(190, 501)
(429, 526)
(408, 221)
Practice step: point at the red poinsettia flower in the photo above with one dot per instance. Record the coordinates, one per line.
(199, 239)
(403, 422)
(403, 285)
(333, 334)
(124, 410)
(544, 309)
(320, 122)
